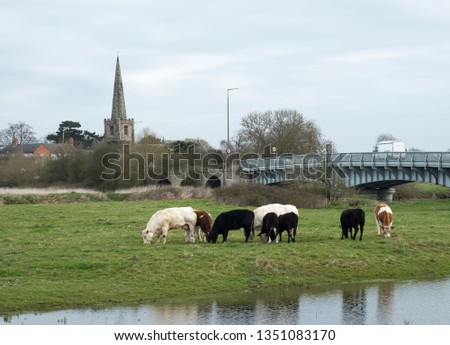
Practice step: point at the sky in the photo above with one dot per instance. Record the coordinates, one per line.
(358, 69)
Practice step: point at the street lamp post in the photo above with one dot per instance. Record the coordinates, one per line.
(228, 118)
(228, 150)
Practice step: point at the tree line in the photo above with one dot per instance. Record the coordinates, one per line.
(83, 164)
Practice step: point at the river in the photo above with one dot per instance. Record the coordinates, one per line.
(416, 303)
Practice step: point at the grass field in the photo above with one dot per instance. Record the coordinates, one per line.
(91, 254)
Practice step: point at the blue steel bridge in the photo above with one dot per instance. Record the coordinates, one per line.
(378, 171)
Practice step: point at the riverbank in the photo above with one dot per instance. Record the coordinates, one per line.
(91, 254)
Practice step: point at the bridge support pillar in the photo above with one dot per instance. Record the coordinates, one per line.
(386, 194)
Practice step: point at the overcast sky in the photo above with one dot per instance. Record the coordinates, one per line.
(356, 68)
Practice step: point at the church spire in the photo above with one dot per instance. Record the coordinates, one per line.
(119, 129)
(118, 105)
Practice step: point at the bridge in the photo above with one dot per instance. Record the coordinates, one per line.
(378, 171)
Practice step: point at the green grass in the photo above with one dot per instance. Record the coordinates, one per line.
(91, 254)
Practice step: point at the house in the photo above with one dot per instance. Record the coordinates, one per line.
(28, 150)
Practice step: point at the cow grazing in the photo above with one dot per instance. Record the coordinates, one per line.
(232, 220)
(352, 219)
(170, 218)
(203, 225)
(164, 182)
(383, 219)
(213, 182)
(278, 209)
(288, 222)
(269, 229)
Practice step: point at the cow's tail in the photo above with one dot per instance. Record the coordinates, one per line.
(252, 227)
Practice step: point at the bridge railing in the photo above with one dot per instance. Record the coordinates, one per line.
(363, 159)
(393, 159)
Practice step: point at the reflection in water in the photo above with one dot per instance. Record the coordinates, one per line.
(356, 304)
(385, 303)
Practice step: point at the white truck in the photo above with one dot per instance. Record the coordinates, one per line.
(390, 148)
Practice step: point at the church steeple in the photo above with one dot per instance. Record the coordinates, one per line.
(119, 129)
(118, 104)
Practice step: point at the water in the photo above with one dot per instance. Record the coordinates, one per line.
(417, 303)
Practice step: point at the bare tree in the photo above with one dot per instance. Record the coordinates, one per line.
(384, 137)
(285, 129)
(22, 131)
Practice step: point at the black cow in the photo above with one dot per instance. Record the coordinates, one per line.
(213, 182)
(288, 222)
(232, 220)
(164, 182)
(352, 218)
(269, 228)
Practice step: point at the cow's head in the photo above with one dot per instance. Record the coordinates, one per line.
(212, 237)
(207, 237)
(273, 234)
(147, 236)
(387, 230)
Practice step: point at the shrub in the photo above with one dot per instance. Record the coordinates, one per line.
(171, 193)
(299, 194)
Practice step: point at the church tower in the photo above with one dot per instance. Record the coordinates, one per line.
(119, 129)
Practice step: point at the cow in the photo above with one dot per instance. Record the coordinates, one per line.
(278, 209)
(269, 229)
(203, 225)
(352, 219)
(232, 220)
(288, 222)
(170, 218)
(383, 219)
(164, 182)
(213, 182)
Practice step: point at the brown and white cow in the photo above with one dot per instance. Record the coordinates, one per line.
(383, 218)
(203, 225)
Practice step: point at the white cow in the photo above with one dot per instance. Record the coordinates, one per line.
(170, 218)
(278, 209)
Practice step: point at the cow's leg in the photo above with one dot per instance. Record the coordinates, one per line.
(192, 233)
(186, 235)
(224, 235)
(247, 233)
(361, 232)
(165, 231)
(200, 235)
(293, 237)
(345, 232)
(289, 235)
(269, 236)
(356, 231)
(158, 235)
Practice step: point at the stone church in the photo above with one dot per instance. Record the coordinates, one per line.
(119, 129)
